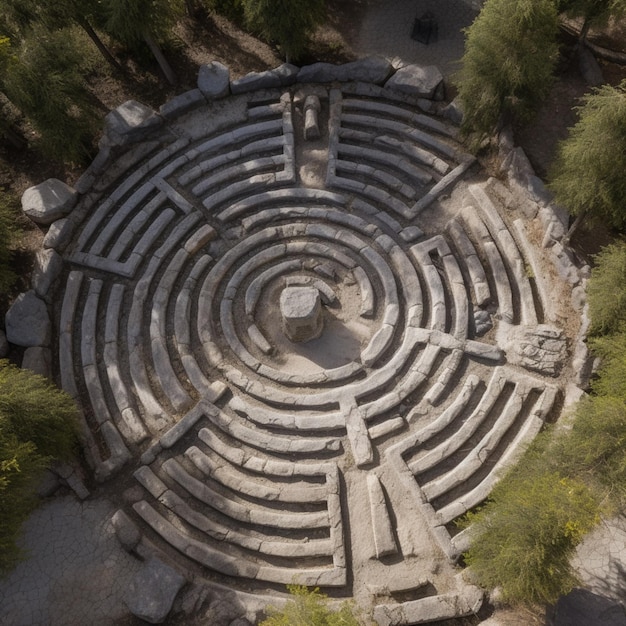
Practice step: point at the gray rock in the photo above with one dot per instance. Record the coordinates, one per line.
(38, 360)
(540, 349)
(369, 70)
(538, 191)
(48, 484)
(130, 122)
(589, 68)
(282, 76)
(454, 112)
(482, 322)
(301, 312)
(426, 82)
(126, 530)
(4, 345)
(48, 266)
(48, 201)
(27, 321)
(59, 234)
(214, 80)
(153, 591)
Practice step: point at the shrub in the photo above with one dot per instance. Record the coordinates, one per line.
(528, 531)
(34, 410)
(606, 291)
(38, 423)
(588, 174)
(8, 233)
(310, 608)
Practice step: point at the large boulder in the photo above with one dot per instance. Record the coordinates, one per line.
(153, 590)
(415, 80)
(369, 70)
(129, 123)
(48, 201)
(214, 80)
(28, 322)
(38, 360)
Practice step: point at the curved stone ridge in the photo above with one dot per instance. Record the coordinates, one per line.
(341, 461)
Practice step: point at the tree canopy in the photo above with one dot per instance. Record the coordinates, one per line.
(588, 174)
(289, 23)
(510, 55)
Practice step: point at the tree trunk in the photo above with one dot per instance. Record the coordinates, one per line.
(14, 136)
(190, 7)
(161, 60)
(86, 26)
(584, 31)
(574, 227)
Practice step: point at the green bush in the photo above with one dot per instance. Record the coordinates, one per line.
(588, 175)
(526, 534)
(8, 235)
(44, 79)
(594, 447)
(606, 291)
(38, 424)
(34, 410)
(20, 469)
(310, 608)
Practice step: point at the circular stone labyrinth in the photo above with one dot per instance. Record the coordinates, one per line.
(341, 461)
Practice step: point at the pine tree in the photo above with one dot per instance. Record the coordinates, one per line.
(510, 54)
(149, 21)
(588, 174)
(289, 23)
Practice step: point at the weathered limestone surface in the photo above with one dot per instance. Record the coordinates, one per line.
(214, 80)
(28, 322)
(426, 82)
(48, 201)
(153, 591)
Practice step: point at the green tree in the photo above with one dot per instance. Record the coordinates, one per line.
(132, 22)
(593, 12)
(606, 290)
(44, 79)
(310, 608)
(289, 23)
(507, 66)
(38, 424)
(25, 14)
(588, 174)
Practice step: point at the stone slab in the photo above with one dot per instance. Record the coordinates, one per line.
(425, 82)
(153, 590)
(370, 69)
